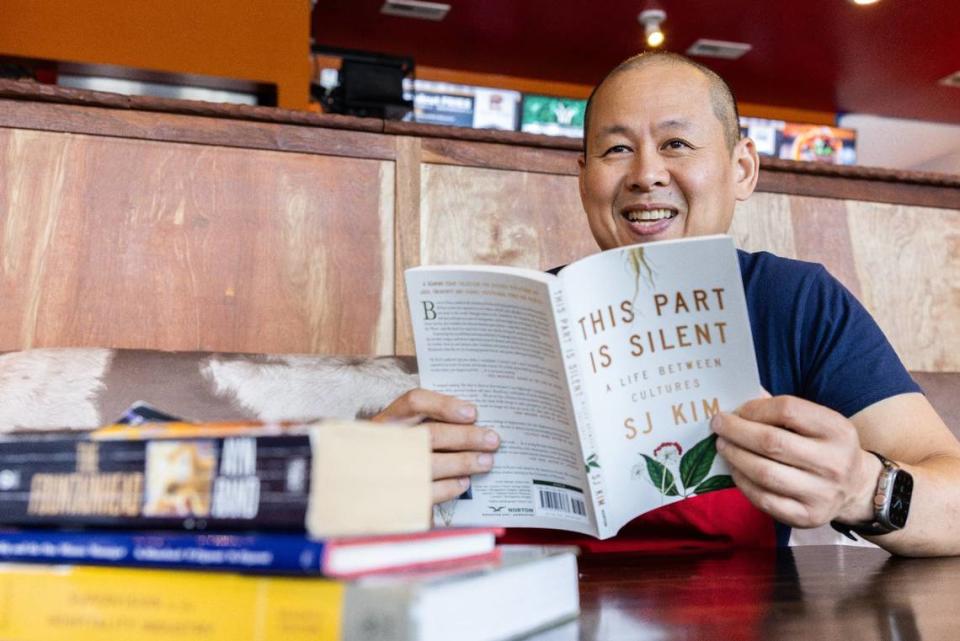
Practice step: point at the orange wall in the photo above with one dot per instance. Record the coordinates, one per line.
(259, 40)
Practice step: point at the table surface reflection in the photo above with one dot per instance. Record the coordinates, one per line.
(816, 592)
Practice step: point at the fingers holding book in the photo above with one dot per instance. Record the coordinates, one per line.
(799, 462)
(460, 448)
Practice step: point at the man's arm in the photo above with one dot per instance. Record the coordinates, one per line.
(806, 465)
(460, 448)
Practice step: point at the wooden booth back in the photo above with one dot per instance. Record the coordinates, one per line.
(155, 224)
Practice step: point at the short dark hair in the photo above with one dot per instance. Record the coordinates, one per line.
(721, 95)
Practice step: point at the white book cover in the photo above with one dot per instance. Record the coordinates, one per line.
(601, 381)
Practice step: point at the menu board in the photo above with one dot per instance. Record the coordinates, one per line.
(804, 142)
(443, 103)
(819, 143)
(443, 109)
(552, 116)
(495, 109)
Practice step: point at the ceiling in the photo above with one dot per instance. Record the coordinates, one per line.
(824, 55)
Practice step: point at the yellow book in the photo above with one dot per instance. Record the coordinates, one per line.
(45, 603)
(527, 590)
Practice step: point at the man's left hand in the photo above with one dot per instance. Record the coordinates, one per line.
(799, 462)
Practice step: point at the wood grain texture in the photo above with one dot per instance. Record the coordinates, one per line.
(225, 132)
(39, 93)
(385, 339)
(124, 243)
(827, 593)
(407, 234)
(496, 156)
(30, 91)
(123, 224)
(908, 263)
(822, 235)
(902, 263)
(762, 223)
(882, 186)
(487, 216)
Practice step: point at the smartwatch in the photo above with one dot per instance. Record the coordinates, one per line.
(891, 502)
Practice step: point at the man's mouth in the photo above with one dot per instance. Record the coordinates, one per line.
(648, 221)
(649, 215)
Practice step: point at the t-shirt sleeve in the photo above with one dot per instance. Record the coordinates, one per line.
(847, 363)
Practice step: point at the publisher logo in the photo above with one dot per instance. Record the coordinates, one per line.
(9, 480)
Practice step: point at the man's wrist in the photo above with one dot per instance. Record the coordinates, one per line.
(860, 509)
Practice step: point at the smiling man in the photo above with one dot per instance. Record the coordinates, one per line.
(672, 169)
(844, 424)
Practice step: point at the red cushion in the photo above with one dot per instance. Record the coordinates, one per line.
(717, 520)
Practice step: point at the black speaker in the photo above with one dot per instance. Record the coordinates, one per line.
(371, 85)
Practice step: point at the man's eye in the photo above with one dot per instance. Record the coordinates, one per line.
(616, 149)
(677, 143)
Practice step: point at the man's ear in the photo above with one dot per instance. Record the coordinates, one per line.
(582, 165)
(746, 168)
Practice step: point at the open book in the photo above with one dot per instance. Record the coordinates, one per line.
(600, 381)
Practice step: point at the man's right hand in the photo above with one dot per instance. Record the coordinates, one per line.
(460, 448)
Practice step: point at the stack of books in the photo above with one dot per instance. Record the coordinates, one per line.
(236, 531)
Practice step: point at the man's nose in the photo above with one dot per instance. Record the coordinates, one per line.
(648, 170)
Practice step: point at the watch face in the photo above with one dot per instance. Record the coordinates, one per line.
(900, 499)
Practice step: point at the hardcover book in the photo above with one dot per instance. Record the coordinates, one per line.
(601, 380)
(273, 552)
(330, 478)
(523, 592)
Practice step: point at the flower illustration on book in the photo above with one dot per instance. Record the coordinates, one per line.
(669, 464)
(591, 462)
(668, 453)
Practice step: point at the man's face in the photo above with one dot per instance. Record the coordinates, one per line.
(657, 165)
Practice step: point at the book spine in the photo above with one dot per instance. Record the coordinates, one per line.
(84, 603)
(279, 553)
(240, 482)
(581, 408)
(379, 613)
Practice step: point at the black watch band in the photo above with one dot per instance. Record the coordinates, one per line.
(891, 503)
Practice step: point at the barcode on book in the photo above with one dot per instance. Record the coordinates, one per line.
(556, 499)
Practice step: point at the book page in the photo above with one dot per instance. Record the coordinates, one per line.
(487, 335)
(664, 343)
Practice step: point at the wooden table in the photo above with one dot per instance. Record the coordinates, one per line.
(817, 593)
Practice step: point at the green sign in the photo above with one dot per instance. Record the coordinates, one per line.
(553, 116)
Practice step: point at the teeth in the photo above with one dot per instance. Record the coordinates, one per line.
(651, 214)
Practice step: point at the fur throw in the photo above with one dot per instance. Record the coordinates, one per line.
(83, 388)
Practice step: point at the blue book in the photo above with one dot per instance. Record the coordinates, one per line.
(260, 552)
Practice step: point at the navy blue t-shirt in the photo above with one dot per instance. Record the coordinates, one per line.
(814, 340)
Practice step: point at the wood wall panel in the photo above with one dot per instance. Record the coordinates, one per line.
(223, 131)
(125, 243)
(902, 263)
(763, 223)
(822, 235)
(489, 216)
(407, 235)
(137, 222)
(908, 263)
(496, 156)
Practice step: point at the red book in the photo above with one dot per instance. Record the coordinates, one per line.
(356, 556)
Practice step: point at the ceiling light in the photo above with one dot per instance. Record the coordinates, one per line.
(415, 9)
(865, 2)
(651, 19)
(718, 49)
(953, 80)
